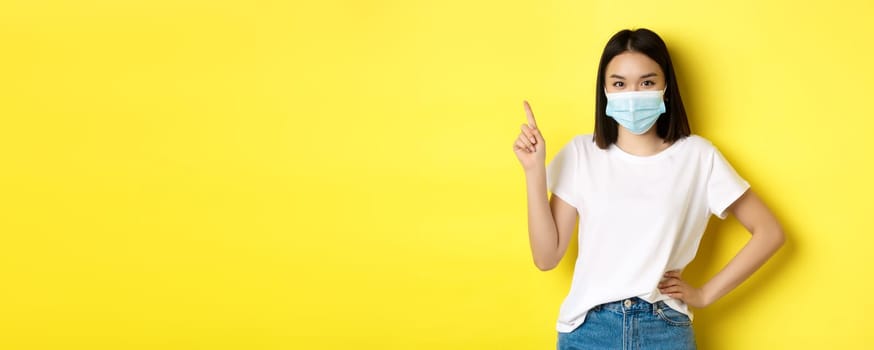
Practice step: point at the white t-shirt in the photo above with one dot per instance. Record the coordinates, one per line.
(640, 216)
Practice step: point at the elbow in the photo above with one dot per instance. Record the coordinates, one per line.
(545, 265)
(779, 237)
(776, 237)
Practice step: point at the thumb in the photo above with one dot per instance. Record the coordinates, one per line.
(537, 136)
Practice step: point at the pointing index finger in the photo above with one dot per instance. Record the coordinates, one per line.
(529, 114)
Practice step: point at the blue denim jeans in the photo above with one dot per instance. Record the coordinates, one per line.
(631, 323)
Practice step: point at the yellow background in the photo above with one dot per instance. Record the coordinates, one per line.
(339, 174)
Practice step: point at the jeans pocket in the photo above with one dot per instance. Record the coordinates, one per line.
(671, 316)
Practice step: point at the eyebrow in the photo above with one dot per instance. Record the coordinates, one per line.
(641, 77)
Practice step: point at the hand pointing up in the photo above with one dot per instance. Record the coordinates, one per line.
(530, 147)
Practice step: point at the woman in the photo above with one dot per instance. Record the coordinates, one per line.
(643, 187)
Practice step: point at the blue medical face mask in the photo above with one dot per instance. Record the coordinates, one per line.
(637, 111)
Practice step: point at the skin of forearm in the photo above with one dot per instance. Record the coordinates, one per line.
(761, 246)
(542, 232)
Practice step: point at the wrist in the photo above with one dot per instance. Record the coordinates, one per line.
(708, 295)
(537, 170)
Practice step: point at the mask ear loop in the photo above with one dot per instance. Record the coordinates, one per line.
(665, 93)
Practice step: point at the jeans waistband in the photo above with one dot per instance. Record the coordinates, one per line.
(633, 304)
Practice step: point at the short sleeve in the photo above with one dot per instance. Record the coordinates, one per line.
(561, 174)
(724, 185)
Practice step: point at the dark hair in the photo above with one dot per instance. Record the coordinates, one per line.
(671, 125)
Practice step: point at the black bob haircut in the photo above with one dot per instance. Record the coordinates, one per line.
(671, 125)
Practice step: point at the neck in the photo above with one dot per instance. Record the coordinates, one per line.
(646, 144)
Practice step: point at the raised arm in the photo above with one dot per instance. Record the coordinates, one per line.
(550, 222)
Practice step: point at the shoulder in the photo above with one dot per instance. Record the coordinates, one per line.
(577, 147)
(705, 150)
(583, 141)
(696, 140)
(699, 144)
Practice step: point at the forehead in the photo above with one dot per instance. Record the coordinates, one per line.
(632, 64)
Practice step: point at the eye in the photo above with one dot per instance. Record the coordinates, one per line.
(618, 84)
(648, 83)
